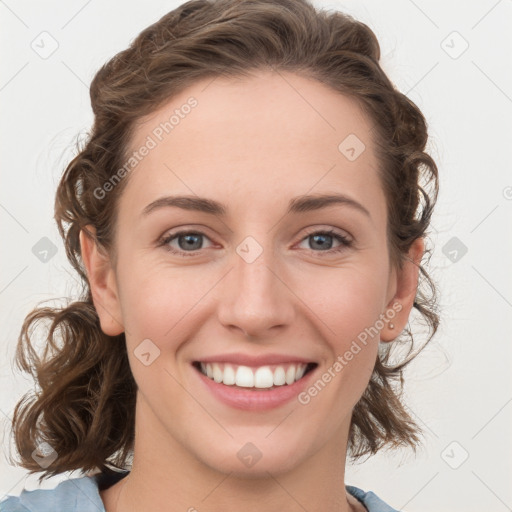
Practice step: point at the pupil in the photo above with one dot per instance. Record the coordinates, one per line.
(190, 241)
(322, 245)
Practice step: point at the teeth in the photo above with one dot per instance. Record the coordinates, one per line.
(246, 377)
(263, 378)
(217, 373)
(300, 372)
(290, 375)
(279, 376)
(229, 375)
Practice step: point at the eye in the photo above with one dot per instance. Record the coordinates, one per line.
(323, 240)
(189, 243)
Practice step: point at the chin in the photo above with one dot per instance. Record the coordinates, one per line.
(253, 459)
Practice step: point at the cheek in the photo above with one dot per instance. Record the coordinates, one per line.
(349, 309)
(158, 301)
(346, 300)
(159, 305)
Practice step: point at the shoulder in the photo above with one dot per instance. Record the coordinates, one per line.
(82, 494)
(73, 495)
(370, 500)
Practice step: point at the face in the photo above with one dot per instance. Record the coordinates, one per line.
(260, 279)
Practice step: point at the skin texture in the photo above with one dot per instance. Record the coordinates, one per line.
(251, 144)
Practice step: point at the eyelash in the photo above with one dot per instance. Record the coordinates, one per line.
(345, 242)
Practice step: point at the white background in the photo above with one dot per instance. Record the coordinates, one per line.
(460, 388)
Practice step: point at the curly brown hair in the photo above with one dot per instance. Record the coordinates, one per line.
(85, 407)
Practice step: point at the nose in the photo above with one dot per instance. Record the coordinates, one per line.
(255, 297)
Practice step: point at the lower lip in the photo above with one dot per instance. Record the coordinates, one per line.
(250, 399)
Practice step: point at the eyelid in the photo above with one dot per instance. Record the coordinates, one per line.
(329, 229)
(186, 229)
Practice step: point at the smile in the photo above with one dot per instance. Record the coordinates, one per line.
(262, 377)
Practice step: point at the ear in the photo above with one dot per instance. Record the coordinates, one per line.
(405, 282)
(103, 284)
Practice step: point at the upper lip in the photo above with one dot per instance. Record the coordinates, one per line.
(248, 360)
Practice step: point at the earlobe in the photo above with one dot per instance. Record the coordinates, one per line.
(102, 281)
(399, 308)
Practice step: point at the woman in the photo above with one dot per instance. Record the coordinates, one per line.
(248, 221)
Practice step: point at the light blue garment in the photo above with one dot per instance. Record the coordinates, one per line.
(82, 495)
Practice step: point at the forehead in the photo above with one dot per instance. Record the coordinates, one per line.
(266, 138)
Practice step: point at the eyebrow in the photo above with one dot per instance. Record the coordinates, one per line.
(296, 205)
